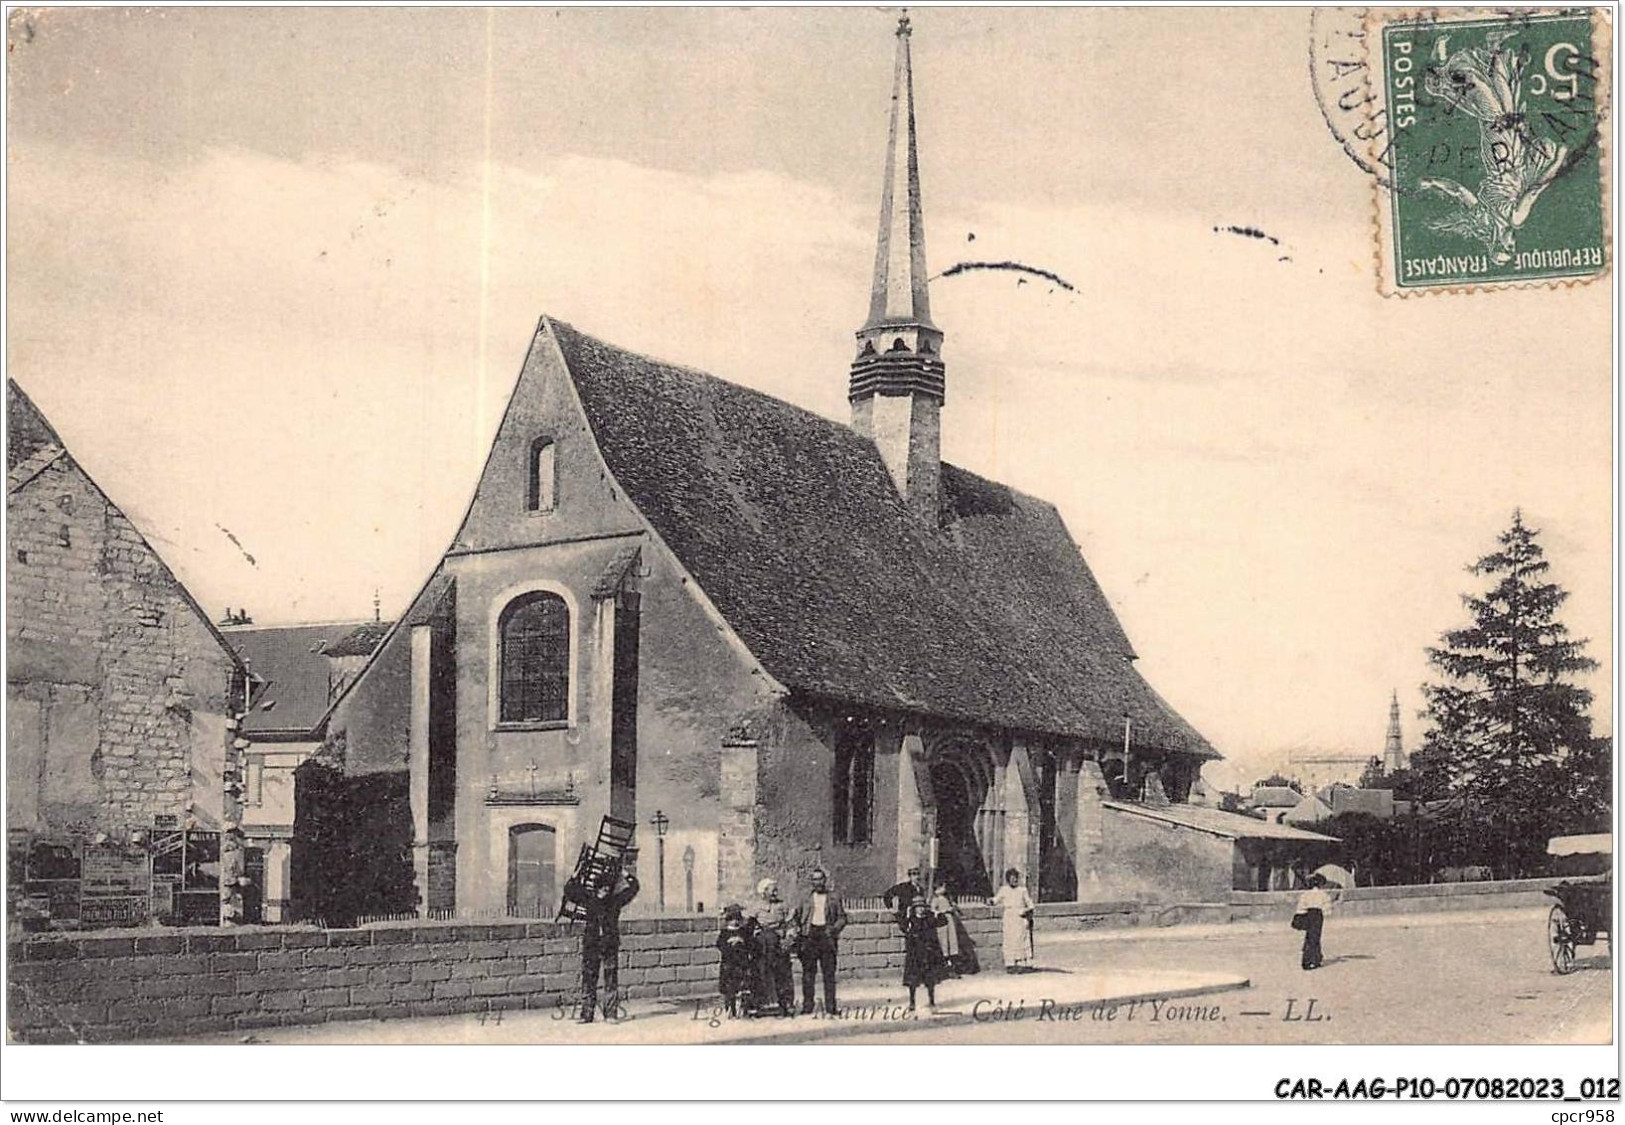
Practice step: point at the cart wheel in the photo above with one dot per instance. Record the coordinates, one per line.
(1560, 936)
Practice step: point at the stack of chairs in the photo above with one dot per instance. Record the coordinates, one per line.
(598, 865)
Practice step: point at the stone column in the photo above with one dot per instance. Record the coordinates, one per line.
(993, 851)
(915, 807)
(1066, 812)
(736, 844)
(1088, 834)
(1021, 841)
(418, 761)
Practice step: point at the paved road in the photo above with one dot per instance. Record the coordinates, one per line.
(1458, 977)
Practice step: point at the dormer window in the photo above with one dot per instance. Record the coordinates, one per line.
(542, 490)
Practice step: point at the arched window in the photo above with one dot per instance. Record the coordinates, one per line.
(542, 488)
(854, 793)
(534, 633)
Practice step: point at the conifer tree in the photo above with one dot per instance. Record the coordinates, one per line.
(1507, 727)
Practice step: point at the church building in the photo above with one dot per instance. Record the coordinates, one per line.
(786, 641)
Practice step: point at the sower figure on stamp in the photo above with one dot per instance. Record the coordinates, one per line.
(819, 920)
(601, 946)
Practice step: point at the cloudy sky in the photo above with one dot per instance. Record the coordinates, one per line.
(272, 272)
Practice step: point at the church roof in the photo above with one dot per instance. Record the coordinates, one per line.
(791, 525)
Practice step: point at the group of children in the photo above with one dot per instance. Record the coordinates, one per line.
(934, 948)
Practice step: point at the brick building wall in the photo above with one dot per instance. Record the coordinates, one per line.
(107, 988)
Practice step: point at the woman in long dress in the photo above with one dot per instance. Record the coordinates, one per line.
(1018, 911)
(922, 955)
(774, 936)
(947, 929)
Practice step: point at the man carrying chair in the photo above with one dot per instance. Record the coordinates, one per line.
(601, 945)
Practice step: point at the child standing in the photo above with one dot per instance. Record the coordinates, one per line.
(737, 945)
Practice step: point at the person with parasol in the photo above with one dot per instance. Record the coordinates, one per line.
(1313, 906)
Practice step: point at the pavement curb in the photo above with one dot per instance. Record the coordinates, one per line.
(955, 1018)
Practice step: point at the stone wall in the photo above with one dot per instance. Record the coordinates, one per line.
(119, 694)
(1504, 894)
(170, 985)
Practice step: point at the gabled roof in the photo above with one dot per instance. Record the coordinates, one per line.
(791, 525)
(1216, 822)
(1275, 797)
(292, 659)
(32, 446)
(1310, 810)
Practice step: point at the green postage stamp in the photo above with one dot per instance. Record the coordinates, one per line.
(1494, 161)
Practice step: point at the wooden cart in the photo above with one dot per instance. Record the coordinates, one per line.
(1584, 909)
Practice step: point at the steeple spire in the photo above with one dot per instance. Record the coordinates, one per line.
(1393, 749)
(899, 295)
(897, 386)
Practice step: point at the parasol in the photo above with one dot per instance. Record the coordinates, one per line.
(1601, 844)
(1335, 875)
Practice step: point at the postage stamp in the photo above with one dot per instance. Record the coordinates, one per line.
(1493, 149)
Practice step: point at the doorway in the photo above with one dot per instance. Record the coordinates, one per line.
(960, 794)
(531, 874)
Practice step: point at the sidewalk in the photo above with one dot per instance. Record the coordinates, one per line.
(1202, 930)
(867, 1006)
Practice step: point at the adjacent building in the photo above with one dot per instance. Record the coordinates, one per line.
(123, 769)
(300, 670)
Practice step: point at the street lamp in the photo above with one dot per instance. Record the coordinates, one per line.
(660, 822)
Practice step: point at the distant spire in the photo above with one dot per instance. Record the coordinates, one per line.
(1393, 749)
(377, 606)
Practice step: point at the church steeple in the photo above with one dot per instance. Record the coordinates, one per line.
(897, 385)
(1393, 749)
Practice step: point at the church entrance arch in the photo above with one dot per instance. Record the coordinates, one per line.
(961, 781)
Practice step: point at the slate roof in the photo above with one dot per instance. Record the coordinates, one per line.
(1310, 810)
(362, 640)
(293, 659)
(791, 525)
(1275, 797)
(1216, 822)
(1373, 802)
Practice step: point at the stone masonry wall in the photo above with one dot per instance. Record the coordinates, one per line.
(110, 988)
(110, 664)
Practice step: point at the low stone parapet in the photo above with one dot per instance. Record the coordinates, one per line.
(143, 985)
(1503, 894)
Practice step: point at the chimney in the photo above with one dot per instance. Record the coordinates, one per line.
(897, 385)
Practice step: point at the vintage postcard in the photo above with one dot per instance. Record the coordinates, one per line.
(593, 527)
